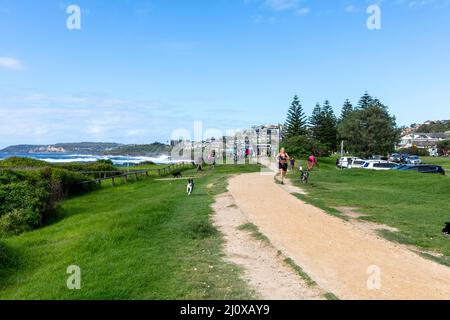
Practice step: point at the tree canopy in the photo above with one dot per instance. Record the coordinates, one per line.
(369, 129)
(296, 120)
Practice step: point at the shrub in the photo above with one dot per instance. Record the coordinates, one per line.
(415, 151)
(3, 253)
(18, 221)
(444, 147)
(16, 162)
(303, 146)
(22, 195)
(28, 199)
(69, 183)
(146, 163)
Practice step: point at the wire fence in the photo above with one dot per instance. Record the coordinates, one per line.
(100, 176)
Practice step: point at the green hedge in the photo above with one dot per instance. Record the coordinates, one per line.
(28, 198)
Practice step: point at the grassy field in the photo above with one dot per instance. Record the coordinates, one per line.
(143, 240)
(416, 204)
(441, 161)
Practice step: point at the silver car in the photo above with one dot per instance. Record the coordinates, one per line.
(414, 160)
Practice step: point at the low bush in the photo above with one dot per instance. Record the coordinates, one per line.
(303, 146)
(18, 221)
(415, 151)
(16, 162)
(28, 198)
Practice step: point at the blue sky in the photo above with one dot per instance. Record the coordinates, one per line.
(139, 69)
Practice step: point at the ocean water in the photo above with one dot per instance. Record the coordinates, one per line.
(80, 158)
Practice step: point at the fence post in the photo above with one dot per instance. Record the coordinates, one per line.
(125, 178)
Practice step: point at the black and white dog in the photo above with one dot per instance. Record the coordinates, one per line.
(446, 229)
(190, 186)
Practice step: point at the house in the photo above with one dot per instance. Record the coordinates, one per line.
(426, 141)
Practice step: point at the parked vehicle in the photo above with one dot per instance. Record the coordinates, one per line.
(414, 160)
(423, 168)
(357, 163)
(395, 157)
(379, 165)
(344, 162)
(404, 157)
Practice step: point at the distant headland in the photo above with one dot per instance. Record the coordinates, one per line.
(93, 148)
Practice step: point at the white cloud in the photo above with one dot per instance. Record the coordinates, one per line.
(282, 5)
(11, 64)
(303, 11)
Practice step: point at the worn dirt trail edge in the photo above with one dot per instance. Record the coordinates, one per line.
(335, 253)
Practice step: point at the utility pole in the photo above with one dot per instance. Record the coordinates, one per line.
(342, 152)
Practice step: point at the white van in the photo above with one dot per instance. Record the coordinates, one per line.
(356, 163)
(345, 162)
(379, 165)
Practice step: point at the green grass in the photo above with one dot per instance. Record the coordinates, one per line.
(414, 203)
(142, 240)
(330, 296)
(254, 231)
(444, 162)
(291, 263)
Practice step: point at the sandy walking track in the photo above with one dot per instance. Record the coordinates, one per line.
(335, 253)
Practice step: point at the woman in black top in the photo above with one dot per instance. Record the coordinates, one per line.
(283, 160)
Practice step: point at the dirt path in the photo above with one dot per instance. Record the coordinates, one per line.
(339, 256)
(264, 269)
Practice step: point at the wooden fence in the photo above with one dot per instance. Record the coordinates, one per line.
(100, 176)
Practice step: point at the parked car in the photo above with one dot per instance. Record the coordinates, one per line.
(404, 157)
(423, 168)
(414, 160)
(379, 165)
(357, 163)
(344, 162)
(395, 157)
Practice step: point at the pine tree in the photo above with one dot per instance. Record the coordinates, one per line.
(296, 121)
(329, 126)
(347, 109)
(315, 121)
(365, 101)
(323, 124)
(370, 130)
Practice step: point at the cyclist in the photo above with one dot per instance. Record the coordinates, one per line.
(312, 161)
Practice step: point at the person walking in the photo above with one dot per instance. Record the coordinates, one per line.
(292, 164)
(283, 159)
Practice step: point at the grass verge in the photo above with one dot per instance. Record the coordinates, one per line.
(255, 233)
(142, 240)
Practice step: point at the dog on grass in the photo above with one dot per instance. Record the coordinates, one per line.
(190, 187)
